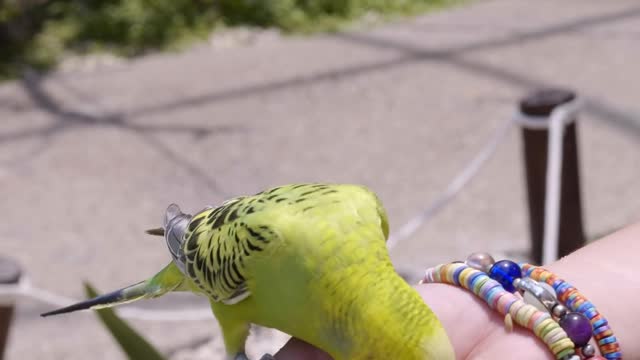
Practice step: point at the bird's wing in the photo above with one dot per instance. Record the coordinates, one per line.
(219, 242)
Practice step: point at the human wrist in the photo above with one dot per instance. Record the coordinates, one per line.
(603, 271)
(475, 331)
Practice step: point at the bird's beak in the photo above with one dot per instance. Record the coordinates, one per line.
(156, 232)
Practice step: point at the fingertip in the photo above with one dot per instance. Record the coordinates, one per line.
(297, 349)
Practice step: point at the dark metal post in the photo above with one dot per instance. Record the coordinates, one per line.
(9, 274)
(571, 233)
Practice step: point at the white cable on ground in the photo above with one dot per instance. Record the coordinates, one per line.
(468, 172)
(560, 117)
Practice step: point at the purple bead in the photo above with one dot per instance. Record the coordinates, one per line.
(578, 328)
(504, 272)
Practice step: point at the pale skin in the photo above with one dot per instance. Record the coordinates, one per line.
(604, 271)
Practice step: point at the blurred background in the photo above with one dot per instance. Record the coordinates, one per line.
(112, 109)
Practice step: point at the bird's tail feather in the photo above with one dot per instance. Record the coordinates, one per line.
(168, 279)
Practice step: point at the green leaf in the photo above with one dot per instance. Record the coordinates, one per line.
(132, 343)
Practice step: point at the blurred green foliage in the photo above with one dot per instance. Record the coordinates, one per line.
(131, 343)
(37, 33)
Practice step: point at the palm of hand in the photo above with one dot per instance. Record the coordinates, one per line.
(475, 331)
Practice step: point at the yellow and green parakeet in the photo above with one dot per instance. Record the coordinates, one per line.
(307, 259)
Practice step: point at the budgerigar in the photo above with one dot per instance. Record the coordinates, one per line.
(307, 259)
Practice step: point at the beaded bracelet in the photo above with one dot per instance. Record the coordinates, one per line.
(577, 302)
(548, 296)
(506, 303)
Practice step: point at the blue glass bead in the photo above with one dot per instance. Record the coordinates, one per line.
(504, 272)
(577, 327)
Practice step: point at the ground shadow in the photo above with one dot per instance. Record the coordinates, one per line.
(64, 119)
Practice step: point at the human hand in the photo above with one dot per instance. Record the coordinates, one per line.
(474, 330)
(599, 270)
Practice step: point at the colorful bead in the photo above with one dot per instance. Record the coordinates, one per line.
(577, 327)
(480, 261)
(505, 272)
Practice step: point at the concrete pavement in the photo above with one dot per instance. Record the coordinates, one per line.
(90, 159)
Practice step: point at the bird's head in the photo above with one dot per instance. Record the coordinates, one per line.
(173, 229)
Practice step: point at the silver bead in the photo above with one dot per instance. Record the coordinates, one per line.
(480, 261)
(559, 311)
(547, 299)
(548, 287)
(537, 295)
(531, 299)
(516, 283)
(588, 351)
